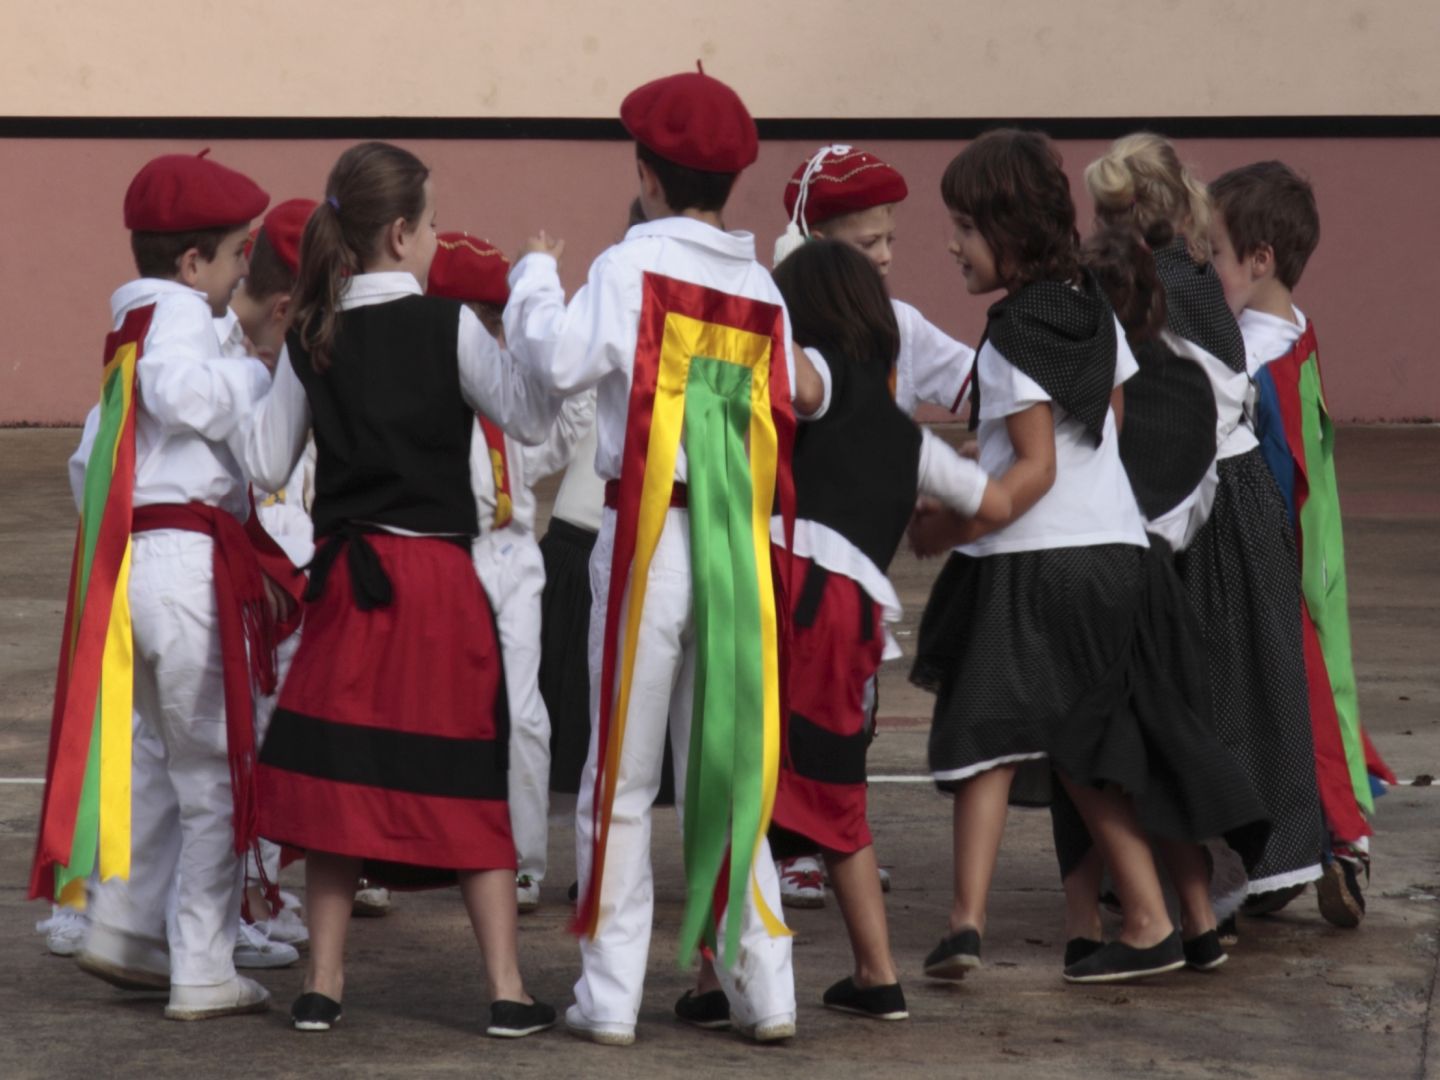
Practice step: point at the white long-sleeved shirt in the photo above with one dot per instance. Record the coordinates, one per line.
(528, 465)
(592, 341)
(491, 382)
(931, 366)
(191, 403)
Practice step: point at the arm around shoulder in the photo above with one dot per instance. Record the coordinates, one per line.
(272, 437)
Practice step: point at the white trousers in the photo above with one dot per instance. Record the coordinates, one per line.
(264, 710)
(512, 570)
(181, 804)
(761, 984)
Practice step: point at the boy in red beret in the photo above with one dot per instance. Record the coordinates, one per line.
(679, 327)
(180, 574)
(507, 557)
(847, 194)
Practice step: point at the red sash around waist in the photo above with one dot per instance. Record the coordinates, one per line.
(679, 495)
(247, 637)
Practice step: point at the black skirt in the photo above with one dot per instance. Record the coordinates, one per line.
(1242, 578)
(1084, 661)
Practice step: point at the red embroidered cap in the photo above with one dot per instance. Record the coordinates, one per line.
(694, 121)
(284, 225)
(469, 269)
(841, 180)
(180, 193)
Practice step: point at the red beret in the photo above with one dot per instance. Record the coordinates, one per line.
(470, 270)
(180, 193)
(283, 227)
(843, 181)
(694, 121)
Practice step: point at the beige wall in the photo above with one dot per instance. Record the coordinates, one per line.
(791, 58)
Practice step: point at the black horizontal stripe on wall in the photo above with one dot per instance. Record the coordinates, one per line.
(382, 758)
(817, 754)
(803, 128)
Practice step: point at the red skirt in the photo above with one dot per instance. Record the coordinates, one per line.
(389, 739)
(836, 645)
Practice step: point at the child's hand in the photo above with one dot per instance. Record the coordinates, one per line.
(278, 603)
(970, 448)
(935, 529)
(542, 244)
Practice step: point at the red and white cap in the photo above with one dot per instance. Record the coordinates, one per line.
(840, 180)
(183, 193)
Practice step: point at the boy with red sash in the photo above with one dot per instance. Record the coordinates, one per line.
(686, 340)
(152, 743)
(1266, 228)
(506, 555)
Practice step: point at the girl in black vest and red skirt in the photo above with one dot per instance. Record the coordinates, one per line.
(387, 751)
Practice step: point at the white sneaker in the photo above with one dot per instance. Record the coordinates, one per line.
(802, 883)
(64, 930)
(371, 901)
(123, 960)
(234, 998)
(254, 950)
(285, 926)
(772, 1030)
(582, 1027)
(527, 893)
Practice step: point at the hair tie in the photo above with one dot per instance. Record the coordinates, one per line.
(334, 203)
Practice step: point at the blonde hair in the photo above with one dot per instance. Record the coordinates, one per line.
(1141, 176)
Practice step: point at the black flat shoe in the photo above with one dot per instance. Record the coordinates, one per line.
(877, 1002)
(1229, 932)
(314, 1012)
(1118, 962)
(710, 1010)
(1078, 948)
(955, 956)
(515, 1019)
(1204, 952)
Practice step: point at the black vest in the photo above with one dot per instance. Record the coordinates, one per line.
(856, 467)
(392, 432)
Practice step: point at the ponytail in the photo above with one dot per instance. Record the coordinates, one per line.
(371, 186)
(1141, 178)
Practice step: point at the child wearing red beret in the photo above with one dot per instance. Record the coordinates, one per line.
(506, 555)
(156, 456)
(679, 328)
(847, 194)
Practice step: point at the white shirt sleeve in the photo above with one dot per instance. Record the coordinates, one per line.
(576, 419)
(956, 481)
(822, 368)
(207, 394)
(1126, 366)
(569, 349)
(275, 432)
(1004, 388)
(938, 368)
(493, 382)
(81, 458)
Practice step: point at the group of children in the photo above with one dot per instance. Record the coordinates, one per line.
(306, 610)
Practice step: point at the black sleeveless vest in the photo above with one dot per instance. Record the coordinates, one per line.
(392, 432)
(855, 468)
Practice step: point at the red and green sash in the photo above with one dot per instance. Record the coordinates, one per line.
(86, 808)
(710, 375)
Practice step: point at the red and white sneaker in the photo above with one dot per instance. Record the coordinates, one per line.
(802, 883)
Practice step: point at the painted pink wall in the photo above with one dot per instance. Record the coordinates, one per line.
(1371, 286)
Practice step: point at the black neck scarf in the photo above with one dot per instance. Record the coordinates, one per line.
(1195, 307)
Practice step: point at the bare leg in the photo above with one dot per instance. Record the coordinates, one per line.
(490, 902)
(1190, 874)
(856, 881)
(707, 979)
(257, 903)
(980, 807)
(1110, 817)
(329, 893)
(1082, 897)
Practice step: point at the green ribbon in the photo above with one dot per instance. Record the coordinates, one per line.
(724, 790)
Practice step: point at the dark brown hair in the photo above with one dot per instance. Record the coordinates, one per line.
(371, 186)
(268, 275)
(157, 253)
(688, 189)
(1121, 260)
(1269, 203)
(838, 304)
(1011, 183)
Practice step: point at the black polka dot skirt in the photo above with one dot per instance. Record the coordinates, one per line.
(1086, 662)
(1242, 577)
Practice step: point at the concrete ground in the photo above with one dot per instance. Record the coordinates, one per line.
(1298, 999)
